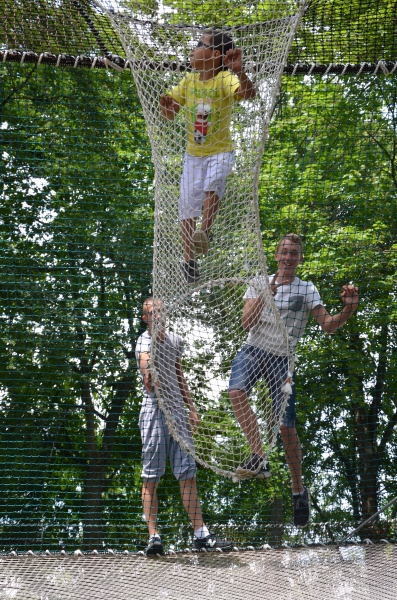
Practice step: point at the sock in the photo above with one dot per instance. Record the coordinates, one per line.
(201, 532)
(298, 494)
(154, 537)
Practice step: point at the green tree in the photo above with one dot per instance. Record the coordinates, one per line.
(76, 247)
(330, 174)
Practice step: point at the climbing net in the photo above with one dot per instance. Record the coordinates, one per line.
(353, 572)
(218, 133)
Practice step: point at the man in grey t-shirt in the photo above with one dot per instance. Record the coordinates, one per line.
(264, 356)
(157, 442)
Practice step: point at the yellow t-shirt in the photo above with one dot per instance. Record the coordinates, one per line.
(208, 111)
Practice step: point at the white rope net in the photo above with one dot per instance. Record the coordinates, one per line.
(350, 573)
(215, 140)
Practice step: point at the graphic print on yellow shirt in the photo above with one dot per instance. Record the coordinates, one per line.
(209, 111)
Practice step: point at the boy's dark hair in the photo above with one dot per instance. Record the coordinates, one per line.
(220, 41)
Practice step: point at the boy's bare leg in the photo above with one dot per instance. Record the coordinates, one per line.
(211, 207)
(247, 419)
(150, 505)
(293, 455)
(188, 226)
(191, 502)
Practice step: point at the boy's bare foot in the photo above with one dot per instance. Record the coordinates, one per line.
(201, 241)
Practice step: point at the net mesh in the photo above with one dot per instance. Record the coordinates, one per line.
(76, 249)
(353, 572)
(201, 291)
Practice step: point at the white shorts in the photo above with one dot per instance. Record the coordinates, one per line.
(202, 174)
(158, 444)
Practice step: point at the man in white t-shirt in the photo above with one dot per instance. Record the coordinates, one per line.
(265, 355)
(157, 443)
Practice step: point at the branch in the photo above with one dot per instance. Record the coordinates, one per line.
(123, 388)
(323, 517)
(98, 414)
(392, 422)
(380, 379)
(350, 473)
(15, 90)
(127, 353)
(68, 452)
(377, 142)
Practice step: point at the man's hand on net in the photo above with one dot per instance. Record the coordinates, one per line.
(349, 296)
(273, 285)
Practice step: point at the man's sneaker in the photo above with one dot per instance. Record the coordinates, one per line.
(253, 467)
(201, 241)
(211, 543)
(191, 272)
(264, 472)
(301, 504)
(155, 546)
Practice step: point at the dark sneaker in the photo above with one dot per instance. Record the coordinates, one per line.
(155, 546)
(301, 506)
(201, 241)
(211, 543)
(191, 272)
(252, 467)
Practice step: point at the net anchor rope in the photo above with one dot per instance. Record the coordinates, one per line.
(369, 520)
(295, 69)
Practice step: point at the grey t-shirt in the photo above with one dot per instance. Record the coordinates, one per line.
(167, 353)
(294, 301)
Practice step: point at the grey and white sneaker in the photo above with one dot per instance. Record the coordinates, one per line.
(256, 466)
(265, 471)
(201, 241)
(155, 546)
(212, 543)
(301, 506)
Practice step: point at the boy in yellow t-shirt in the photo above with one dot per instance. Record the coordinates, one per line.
(208, 95)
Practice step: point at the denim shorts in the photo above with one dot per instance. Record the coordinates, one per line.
(252, 364)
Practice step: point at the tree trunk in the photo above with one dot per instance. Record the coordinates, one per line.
(366, 425)
(276, 522)
(99, 461)
(94, 487)
(367, 464)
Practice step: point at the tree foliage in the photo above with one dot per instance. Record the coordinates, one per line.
(76, 235)
(77, 224)
(330, 174)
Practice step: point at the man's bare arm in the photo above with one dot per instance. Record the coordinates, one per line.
(187, 398)
(330, 323)
(144, 363)
(252, 312)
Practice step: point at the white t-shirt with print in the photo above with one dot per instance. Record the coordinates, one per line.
(294, 301)
(167, 353)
